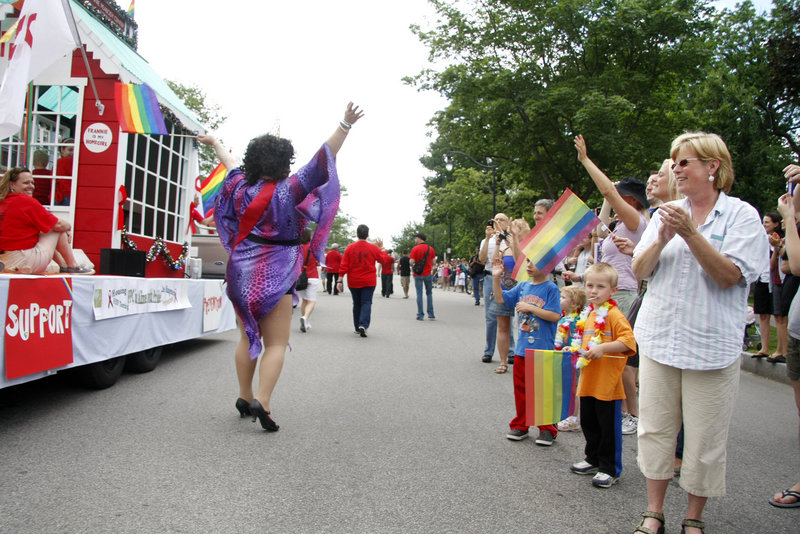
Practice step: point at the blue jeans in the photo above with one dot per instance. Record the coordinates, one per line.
(491, 321)
(418, 282)
(476, 284)
(362, 305)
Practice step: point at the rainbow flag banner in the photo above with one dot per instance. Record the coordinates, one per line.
(551, 380)
(138, 110)
(210, 187)
(564, 226)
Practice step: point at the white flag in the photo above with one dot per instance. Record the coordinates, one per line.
(43, 37)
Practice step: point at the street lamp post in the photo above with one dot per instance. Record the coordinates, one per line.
(448, 164)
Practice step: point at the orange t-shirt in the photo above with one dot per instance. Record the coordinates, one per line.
(602, 378)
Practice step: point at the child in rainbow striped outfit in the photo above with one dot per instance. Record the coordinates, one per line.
(607, 342)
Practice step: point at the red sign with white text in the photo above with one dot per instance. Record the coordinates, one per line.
(38, 327)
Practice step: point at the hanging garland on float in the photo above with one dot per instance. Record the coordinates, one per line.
(159, 248)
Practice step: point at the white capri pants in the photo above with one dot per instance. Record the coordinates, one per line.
(703, 401)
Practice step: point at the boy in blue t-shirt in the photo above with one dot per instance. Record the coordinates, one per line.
(538, 305)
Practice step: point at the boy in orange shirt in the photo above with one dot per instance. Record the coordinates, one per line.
(607, 341)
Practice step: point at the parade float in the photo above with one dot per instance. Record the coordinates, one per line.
(121, 167)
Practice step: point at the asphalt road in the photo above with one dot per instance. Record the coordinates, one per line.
(401, 432)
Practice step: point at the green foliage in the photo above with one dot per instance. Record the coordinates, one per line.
(342, 231)
(524, 76)
(208, 115)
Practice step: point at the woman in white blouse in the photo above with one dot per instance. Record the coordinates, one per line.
(700, 254)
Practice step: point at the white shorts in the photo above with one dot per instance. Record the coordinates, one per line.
(34, 260)
(310, 292)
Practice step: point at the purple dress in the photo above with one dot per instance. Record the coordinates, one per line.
(259, 275)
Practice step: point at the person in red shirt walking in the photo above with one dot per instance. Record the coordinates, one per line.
(387, 272)
(422, 256)
(358, 264)
(332, 261)
(308, 295)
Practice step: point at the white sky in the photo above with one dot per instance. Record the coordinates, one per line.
(296, 64)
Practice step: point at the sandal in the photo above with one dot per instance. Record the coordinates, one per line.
(501, 369)
(777, 358)
(693, 523)
(759, 355)
(787, 493)
(654, 515)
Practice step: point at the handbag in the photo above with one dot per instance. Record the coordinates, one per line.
(419, 267)
(302, 280)
(633, 311)
(476, 269)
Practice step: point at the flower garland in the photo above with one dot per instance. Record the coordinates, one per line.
(600, 319)
(159, 248)
(565, 327)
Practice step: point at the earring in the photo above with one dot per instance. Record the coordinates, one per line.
(711, 178)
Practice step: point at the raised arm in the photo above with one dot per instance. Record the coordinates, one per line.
(351, 116)
(627, 213)
(222, 154)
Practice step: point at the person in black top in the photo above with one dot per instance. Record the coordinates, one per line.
(404, 270)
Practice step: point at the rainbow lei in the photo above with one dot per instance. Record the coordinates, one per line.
(600, 319)
(563, 330)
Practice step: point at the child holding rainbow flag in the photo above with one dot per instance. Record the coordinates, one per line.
(569, 337)
(607, 341)
(538, 305)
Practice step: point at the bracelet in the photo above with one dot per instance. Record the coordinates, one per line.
(345, 125)
(345, 130)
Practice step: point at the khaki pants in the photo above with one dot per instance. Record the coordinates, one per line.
(703, 402)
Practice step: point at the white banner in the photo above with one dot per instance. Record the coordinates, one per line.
(115, 297)
(43, 37)
(212, 304)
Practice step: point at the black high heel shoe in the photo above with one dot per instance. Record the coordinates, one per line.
(244, 407)
(258, 411)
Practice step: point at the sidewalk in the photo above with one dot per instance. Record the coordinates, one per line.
(761, 367)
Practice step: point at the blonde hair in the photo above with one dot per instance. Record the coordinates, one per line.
(672, 182)
(708, 147)
(603, 269)
(577, 295)
(8, 178)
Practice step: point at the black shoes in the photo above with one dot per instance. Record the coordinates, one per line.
(243, 406)
(258, 411)
(362, 331)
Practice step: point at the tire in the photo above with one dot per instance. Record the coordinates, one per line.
(101, 375)
(144, 361)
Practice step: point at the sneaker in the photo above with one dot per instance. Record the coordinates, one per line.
(630, 424)
(477, 303)
(362, 331)
(76, 270)
(420, 318)
(515, 434)
(603, 480)
(570, 424)
(303, 325)
(545, 438)
(431, 318)
(487, 358)
(583, 468)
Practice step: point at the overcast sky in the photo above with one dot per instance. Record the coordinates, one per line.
(294, 66)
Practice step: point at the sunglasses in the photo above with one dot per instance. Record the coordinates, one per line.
(683, 163)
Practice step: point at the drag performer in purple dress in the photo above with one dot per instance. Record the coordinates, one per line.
(265, 258)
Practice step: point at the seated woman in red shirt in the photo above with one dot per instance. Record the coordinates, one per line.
(29, 234)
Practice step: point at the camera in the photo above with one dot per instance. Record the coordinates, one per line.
(490, 223)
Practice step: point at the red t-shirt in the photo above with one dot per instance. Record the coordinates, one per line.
(333, 259)
(42, 186)
(358, 263)
(311, 266)
(387, 266)
(63, 187)
(22, 219)
(418, 252)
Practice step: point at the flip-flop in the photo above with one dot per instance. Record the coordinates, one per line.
(778, 358)
(501, 369)
(759, 355)
(787, 493)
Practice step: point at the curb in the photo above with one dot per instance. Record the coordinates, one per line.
(761, 367)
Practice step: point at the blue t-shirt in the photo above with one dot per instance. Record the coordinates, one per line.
(533, 332)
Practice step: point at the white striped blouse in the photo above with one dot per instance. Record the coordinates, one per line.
(687, 320)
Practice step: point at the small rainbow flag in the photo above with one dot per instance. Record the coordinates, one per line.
(564, 226)
(551, 380)
(131, 8)
(210, 187)
(138, 110)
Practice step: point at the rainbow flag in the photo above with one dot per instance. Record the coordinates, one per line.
(551, 380)
(564, 226)
(138, 110)
(210, 187)
(131, 8)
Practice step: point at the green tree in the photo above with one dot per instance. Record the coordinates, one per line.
(209, 116)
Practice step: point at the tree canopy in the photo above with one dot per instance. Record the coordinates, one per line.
(523, 77)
